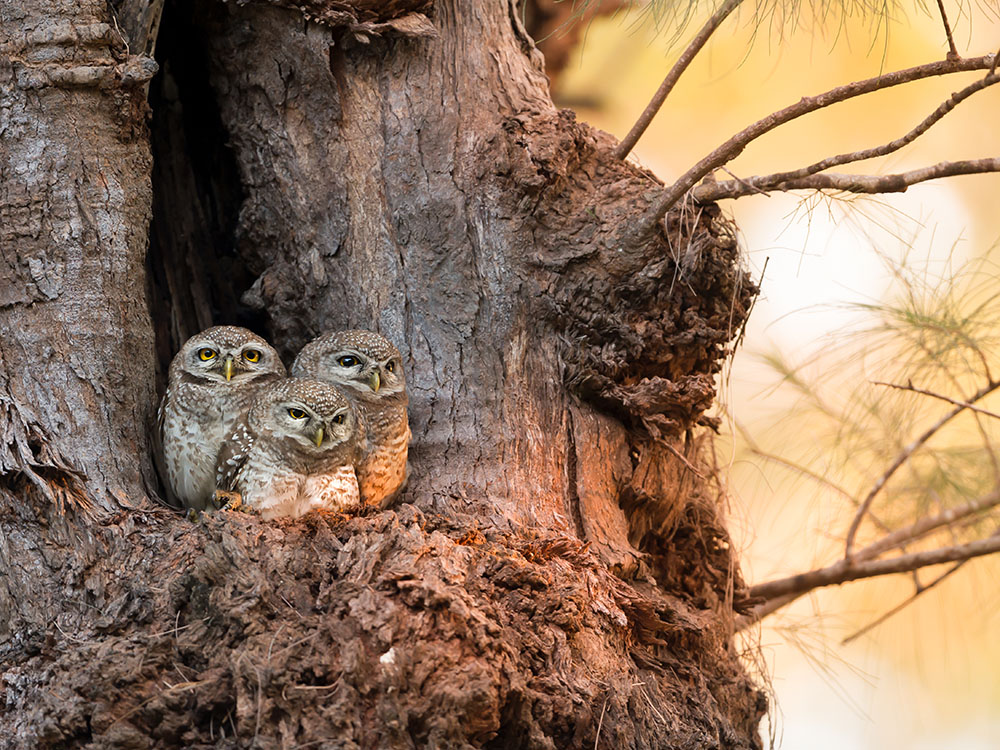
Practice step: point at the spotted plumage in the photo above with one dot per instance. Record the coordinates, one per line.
(369, 369)
(212, 380)
(293, 451)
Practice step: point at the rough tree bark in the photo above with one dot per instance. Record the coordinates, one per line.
(557, 575)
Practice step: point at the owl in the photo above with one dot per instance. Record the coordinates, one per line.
(293, 451)
(212, 380)
(369, 369)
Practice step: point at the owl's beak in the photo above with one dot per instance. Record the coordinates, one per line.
(375, 381)
(318, 437)
(228, 369)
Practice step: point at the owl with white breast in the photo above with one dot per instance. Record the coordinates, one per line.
(369, 369)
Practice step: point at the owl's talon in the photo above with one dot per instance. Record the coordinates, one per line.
(192, 515)
(223, 500)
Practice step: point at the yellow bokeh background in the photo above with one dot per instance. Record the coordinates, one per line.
(928, 677)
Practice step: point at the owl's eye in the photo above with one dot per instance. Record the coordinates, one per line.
(206, 354)
(251, 355)
(390, 366)
(347, 361)
(339, 419)
(296, 413)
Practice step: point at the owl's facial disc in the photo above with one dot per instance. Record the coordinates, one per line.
(299, 422)
(231, 364)
(207, 361)
(365, 376)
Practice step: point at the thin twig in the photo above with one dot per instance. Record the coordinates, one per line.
(926, 525)
(932, 394)
(816, 477)
(847, 570)
(673, 75)
(737, 188)
(735, 145)
(903, 457)
(952, 52)
(683, 459)
(903, 604)
(600, 722)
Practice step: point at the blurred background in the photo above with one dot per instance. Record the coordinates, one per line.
(886, 288)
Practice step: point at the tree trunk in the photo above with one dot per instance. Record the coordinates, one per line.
(557, 575)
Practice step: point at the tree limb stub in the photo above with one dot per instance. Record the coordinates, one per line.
(735, 145)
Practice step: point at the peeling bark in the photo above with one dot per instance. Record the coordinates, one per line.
(557, 575)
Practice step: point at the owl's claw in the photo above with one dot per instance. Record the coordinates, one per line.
(192, 515)
(223, 500)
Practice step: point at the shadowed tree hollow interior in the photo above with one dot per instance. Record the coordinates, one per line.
(196, 279)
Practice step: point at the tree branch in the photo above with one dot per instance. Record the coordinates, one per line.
(735, 145)
(863, 183)
(848, 570)
(673, 75)
(926, 525)
(932, 394)
(714, 191)
(952, 52)
(903, 604)
(903, 457)
(894, 540)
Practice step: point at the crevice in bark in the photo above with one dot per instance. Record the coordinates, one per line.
(196, 279)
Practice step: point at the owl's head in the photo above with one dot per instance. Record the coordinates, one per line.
(364, 363)
(227, 354)
(316, 417)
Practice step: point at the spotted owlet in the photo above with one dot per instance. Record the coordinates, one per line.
(293, 451)
(369, 369)
(212, 380)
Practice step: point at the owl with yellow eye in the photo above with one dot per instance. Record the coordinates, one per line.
(212, 382)
(294, 451)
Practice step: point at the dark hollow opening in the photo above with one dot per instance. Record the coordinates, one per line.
(195, 276)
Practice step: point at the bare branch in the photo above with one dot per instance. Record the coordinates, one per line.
(737, 188)
(735, 145)
(673, 75)
(926, 525)
(852, 570)
(932, 394)
(857, 183)
(952, 52)
(903, 604)
(903, 457)
(894, 540)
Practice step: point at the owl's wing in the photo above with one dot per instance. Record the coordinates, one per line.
(233, 456)
(156, 443)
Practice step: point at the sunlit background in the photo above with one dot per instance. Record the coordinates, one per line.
(928, 676)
